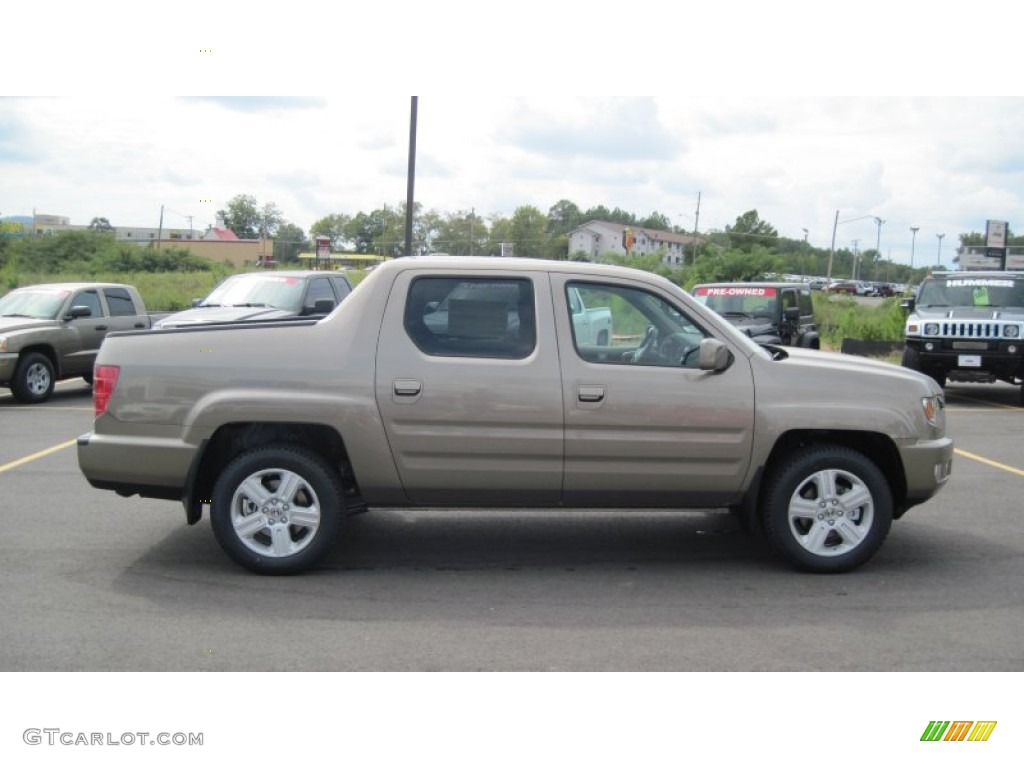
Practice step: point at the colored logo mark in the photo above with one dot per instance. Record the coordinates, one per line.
(958, 730)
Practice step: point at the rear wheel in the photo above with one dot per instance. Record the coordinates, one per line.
(277, 509)
(827, 509)
(33, 379)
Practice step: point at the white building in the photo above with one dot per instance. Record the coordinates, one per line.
(596, 238)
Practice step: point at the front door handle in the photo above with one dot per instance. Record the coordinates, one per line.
(590, 393)
(407, 387)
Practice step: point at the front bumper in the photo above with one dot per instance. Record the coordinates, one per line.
(974, 360)
(927, 466)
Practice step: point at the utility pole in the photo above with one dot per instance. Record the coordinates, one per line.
(409, 197)
(913, 239)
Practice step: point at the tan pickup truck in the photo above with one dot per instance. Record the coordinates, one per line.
(52, 332)
(281, 430)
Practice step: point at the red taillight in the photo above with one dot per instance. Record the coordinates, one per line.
(104, 379)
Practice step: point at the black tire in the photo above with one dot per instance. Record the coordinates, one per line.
(250, 533)
(820, 531)
(33, 378)
(911, 359)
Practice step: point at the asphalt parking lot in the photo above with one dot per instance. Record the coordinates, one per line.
(93, 581)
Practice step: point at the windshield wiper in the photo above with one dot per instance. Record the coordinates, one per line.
(255, 304)
(18, 314)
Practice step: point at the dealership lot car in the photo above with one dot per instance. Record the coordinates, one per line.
(260, 296)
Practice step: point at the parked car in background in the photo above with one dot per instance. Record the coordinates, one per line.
(53, 331)
(843, 286)
(258, 296)
(769, 313)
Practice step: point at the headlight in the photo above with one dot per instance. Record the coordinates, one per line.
(931, 329)
(1011, 331)
(934, 410)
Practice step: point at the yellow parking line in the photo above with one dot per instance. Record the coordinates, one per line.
(966, 455)
(38, 455)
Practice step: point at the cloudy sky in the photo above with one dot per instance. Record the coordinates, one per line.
(871, 123)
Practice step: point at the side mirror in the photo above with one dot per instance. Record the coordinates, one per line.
(196, 302)
(792, 314)
(323, 306)
(77, 311)
(430, 307)
(908, 304)
(714, 355)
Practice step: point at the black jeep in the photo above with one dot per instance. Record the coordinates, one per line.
(770, 313)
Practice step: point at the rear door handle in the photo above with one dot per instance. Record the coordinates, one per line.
(590, 393)
(101, 327)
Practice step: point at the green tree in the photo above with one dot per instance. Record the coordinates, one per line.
(463, 233)
(100, 224)
(529, 232)
(749, 231)
(249, 220)
(563, 217)
(333, 226)
(289, 242)
(656, 221)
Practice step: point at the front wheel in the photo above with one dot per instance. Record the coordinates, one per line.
(277, 509)
(827, 509)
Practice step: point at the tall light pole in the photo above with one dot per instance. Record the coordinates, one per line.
(803, 264)
(913, 237)
(878, 243)
(938, 256)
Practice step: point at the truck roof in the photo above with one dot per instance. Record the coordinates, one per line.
(513, 264)
(70, 286)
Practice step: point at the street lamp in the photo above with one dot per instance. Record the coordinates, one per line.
(878, 242)
(913, 237)
(938, 256)
(803, 264)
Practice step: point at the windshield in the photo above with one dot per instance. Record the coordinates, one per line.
(738, 301)
(972, 292)
(43, 304)
(257, 291)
